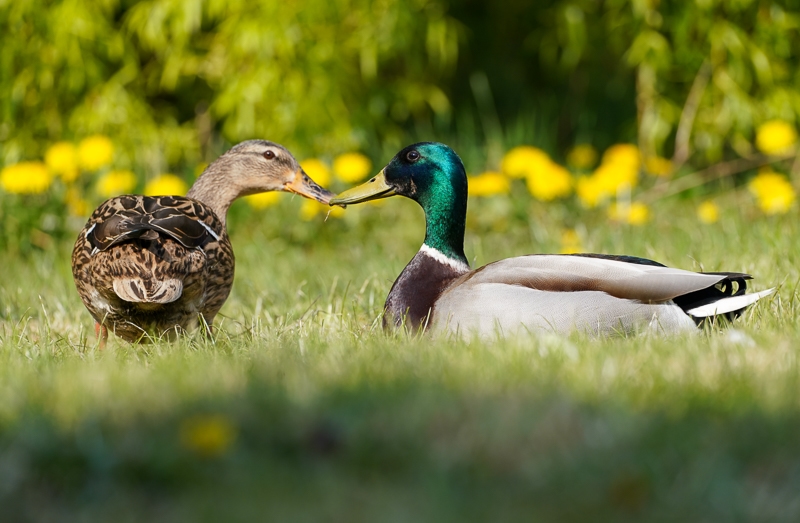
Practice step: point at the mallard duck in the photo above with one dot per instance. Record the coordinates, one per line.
(594, 293)
(154, 266)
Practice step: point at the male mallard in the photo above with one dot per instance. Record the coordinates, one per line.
(151, 266)
(593, 293)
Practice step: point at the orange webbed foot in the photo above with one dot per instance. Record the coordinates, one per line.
(101, 331)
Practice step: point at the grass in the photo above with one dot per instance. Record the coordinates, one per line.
(305, 410)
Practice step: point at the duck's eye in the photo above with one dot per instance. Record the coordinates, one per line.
(412, 156)
(269, 155)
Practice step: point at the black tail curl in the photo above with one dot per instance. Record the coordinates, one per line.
(734, 284)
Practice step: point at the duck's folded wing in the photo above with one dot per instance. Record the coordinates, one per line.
(132, 217)
(564, 293)
(621, 279)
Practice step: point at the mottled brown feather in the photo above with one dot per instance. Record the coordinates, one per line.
(111, 247)
(169, 257)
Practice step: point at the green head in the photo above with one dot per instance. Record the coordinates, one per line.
(432, 175)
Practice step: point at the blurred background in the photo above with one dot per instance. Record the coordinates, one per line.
(596, 106)
(658, 129)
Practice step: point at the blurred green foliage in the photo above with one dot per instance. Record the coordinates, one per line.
(165, 77)
(172, 80)
(617, 70)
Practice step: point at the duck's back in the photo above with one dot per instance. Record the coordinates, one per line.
(596, 295)
(153, 265)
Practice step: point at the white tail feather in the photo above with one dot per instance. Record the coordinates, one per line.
(729, 304)
(134, 290)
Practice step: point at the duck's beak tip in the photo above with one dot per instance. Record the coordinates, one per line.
(303, 185)
(374, 189)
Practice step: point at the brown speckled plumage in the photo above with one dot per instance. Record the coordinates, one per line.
(155, 266)
(125, 239)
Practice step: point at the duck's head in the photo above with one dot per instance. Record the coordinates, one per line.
(433, 175)
(256, 166)
(427, 172)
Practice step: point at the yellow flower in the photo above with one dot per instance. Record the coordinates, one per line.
(570, 242)
(636, 213)
(115, 183)
(62, 159)
(623, 154)
(589, 191)
(775, 136)
(207, 435)
(76, 205)
(263, 200)
(95, 152)
(549, 183)
(614, 176)
(317, 170)
(708, 212)
(658, 166)
(311, 208)
(25, 178)
(351, 167)
(774, 194)
(605, 182)
(582, 156)
(166, 185)
(520, 161)
(488, 184)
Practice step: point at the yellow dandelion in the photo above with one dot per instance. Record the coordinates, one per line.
(636, 213)
(62, 159)
(76, 205)
(623, 154)
(351, 167)
(207, 435)
(550, 183)
(95, 152)
(775, 136)
(26, 178)
(774, 194)
(570, 242)
(114, 183)
(523, 160)
(263, 200)
(658, 166)
(611, 177)
(488, 184)
(311, 209)
(317, 170)
(708, 212)
(589, 191)
(166, 185)
(582, 156)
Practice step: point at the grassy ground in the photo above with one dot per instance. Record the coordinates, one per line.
(305, 410)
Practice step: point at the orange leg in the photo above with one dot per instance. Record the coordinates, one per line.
(101, 331)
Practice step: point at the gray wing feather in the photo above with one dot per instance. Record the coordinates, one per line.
(556, 273)
(562, 294)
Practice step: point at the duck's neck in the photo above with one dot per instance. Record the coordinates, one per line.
(439, 261)
(212, 190)
(445, 206)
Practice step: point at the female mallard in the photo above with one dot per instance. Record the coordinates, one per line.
(152, 266)
(593, 293)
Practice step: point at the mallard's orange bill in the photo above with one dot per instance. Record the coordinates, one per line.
(374, 189)
(305, 186)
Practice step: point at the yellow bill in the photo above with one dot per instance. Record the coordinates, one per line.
(374, 189)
